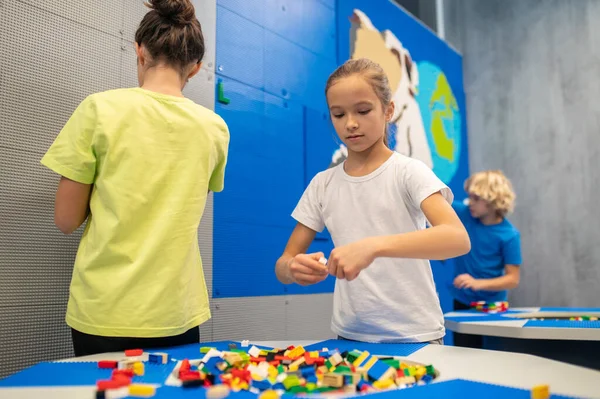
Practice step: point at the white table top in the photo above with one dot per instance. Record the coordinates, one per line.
(502, 368)
(515, 328)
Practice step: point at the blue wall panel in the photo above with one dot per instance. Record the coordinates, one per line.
(280, 128)
(307, 23)
(328, 3)
(293, 72)
(240, 48)
(252, 10)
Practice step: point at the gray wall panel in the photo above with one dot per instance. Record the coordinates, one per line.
(49, 64)
(99, 15)
(531, 81)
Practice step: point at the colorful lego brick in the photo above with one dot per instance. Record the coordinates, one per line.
(343, 369)
(405, 380)
(353, 355)
(395, 363)
(369, 363)
(108, 364)
(206, 349)
(269, 394)
(217, 392)
(384, 384)
(333, 380)
(192, 383)
(126, 364)
(296, 352)
(134, 352)
(142, 390)
(262, 385)
(291, 381)
(296, 364)
(254, 351)
(380, 371)
(138, 368)
(361, 359)
(335, 359)
(158, 358)
(540, 392)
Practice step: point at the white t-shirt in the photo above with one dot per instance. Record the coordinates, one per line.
(392, 300)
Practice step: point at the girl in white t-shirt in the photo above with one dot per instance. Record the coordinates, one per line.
(375, 205)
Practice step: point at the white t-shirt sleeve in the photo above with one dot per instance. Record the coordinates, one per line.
(420, 182)
(309, 208)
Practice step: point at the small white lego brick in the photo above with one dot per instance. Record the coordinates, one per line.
(323, 260)
(119, 393)
(210, 354)
(245, 343)
(254, 351)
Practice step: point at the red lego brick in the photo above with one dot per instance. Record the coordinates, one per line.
(108, 364)
(134, 352)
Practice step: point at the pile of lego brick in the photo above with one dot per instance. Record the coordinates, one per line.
(578, 318)
(271, 373)
(120, 383)
(490, 307)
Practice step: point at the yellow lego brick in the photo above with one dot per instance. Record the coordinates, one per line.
(273, 373)
(540, 392)
(384, 384)
(138, 368)
(359, 361)
(296, 352)
(297, 363)
(141, 391)
(370, 363)
(420, 372)
(269, 394)
(314, 354)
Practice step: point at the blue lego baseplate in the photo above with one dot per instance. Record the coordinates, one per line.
(562, 324)
(87, 373)
(477, 316)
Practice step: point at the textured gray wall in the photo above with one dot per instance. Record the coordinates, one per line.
(52, 55)
(532, 77)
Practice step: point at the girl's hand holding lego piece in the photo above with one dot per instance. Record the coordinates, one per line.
(306, 269)
(348, 261)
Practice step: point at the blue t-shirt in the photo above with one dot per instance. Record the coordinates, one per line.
(492, 247)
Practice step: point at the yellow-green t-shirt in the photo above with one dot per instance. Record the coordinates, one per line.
(151, 159)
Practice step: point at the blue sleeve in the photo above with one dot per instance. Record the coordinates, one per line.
(511, 250)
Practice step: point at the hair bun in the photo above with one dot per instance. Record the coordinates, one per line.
(179, 12)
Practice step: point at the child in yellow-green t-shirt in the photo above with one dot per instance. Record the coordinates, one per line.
(138, 165)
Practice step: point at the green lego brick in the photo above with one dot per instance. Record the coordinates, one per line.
(395, 363)
(430, 370)
(352, 356)
(342, 369)
(206, 349)
(299, 389)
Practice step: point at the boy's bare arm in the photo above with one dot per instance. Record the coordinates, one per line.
(509, 281)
